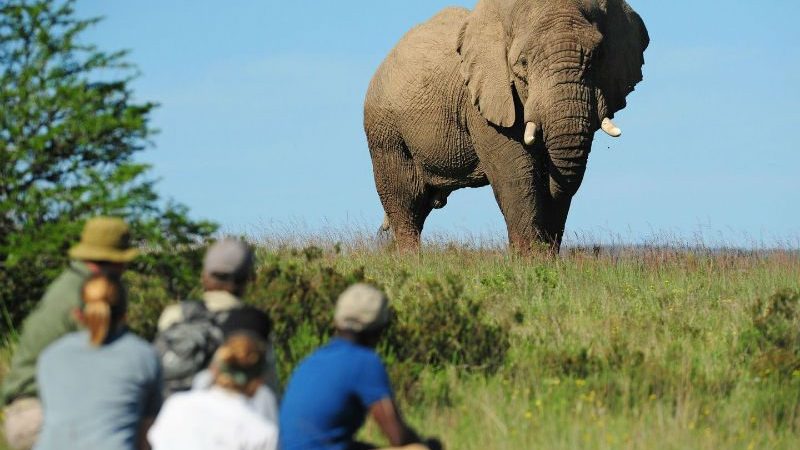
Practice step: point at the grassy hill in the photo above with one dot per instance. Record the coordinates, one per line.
(651, 348)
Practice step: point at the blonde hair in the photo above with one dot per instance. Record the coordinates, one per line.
(104, 304)
(239, 361)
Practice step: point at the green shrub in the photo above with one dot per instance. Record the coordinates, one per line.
(435, 325)
(773, 342)
(299, 292)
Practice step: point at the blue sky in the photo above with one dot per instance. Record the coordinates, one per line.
(261, 118)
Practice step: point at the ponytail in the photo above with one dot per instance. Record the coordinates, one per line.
(104, 305)
(239, 361)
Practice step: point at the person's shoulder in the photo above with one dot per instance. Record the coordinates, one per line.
(171, 314)
(75, 272)
(73, 276)
(66, 343)
(133, 340)
(64, 291)
(179, 399)
(341, 348)
(180, 405)
(364, 354)
(75, 338)
(132, 344)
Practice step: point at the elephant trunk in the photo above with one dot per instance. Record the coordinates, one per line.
(567, 120)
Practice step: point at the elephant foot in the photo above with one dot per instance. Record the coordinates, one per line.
(536, 247)
(389, 239)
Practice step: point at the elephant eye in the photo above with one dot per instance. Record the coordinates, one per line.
(520, 69)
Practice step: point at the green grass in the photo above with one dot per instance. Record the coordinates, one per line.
(5, 358)
(636, 348)
(639, 350)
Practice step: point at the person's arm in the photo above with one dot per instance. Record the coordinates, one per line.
(50, 320)
(391, 423)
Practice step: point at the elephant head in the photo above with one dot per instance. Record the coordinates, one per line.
(570, 64)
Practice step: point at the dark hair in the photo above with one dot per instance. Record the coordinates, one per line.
(247, 319)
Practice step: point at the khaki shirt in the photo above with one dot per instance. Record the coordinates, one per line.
(50, 320)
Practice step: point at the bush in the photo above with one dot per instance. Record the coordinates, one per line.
(299, 292)
(438, 326)
(773, 342)
(434, 324)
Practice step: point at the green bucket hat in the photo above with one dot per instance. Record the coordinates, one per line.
(104, 239)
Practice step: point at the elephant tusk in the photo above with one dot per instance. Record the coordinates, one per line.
(530, 133)
(610, 129)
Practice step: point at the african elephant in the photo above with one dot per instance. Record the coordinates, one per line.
(508, 94)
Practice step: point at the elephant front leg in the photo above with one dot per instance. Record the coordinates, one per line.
(518, 180)
(557, 219)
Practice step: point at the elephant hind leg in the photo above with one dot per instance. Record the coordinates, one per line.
(384, 234)
(385, 226)
(405, 198)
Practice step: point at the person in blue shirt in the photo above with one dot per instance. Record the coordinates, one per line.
(101, 387)
(333, 390)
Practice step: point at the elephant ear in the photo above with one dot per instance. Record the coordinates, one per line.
(482, 46)
(625, 39)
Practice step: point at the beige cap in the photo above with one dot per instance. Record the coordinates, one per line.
(104, 239)
(361, 307)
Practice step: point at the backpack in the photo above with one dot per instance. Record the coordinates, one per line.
(187, 346)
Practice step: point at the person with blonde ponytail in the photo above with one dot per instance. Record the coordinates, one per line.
(99, 387)
(221, 417)
(105, 247)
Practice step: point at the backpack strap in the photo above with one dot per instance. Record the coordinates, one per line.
(193, 309)
(196, 309)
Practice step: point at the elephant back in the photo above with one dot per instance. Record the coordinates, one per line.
(425, 53)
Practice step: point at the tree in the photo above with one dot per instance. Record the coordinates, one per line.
(69, 130)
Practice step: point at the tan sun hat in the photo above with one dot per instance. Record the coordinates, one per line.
(104, 239)
(361, 307)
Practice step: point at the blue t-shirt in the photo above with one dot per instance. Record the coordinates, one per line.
(96, 397)
(329, 395)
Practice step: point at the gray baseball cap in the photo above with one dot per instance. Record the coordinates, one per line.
(361, 307)
(229, 258)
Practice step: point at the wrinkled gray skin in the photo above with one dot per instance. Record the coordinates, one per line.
(448, 108)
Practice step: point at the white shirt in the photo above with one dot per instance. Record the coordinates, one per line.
(211, 419)
(263, 402)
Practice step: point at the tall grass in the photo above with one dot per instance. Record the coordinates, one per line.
(628, 347)
(651, 347)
